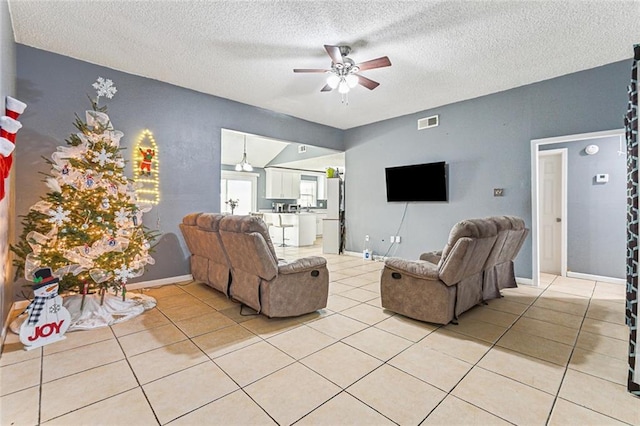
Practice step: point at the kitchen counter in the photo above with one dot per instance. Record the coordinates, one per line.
(302, 233)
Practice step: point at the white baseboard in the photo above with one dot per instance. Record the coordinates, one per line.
(596, 278)
(160, 282)
(524, 281)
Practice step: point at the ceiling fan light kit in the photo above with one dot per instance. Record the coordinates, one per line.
(343, 74)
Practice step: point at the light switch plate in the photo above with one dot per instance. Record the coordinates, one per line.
(498, 192)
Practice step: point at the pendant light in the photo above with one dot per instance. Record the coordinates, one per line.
(244, 165)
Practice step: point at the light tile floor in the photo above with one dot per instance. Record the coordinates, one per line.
(556, 355)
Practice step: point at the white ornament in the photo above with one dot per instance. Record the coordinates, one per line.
(104, 88)
(123, 273)
(58, 216)
(102, 157)
(122, 216)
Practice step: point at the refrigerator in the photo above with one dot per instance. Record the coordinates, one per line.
(333, 225)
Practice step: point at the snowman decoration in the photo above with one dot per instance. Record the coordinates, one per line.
(47, 319)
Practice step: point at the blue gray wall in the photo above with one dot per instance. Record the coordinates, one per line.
(290, 153)
(7, 88)
(486, 142)
(186, 125)
(597, 212)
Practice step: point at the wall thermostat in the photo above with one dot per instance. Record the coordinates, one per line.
(602, 178)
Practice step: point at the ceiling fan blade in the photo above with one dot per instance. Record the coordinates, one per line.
(375, 63)
(334, 53)
(326, 88)
(309, 70)
(366, 82)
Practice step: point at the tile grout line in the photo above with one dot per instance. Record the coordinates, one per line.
(493, 345)
(368, 326)
(564, 374)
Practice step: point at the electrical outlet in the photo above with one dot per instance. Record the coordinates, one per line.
(398, 239)
(392, 239)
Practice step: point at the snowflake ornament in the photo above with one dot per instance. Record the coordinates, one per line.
(102, 157)
(122, 216)
(54, 309)
(123, 273)
(59, 215)
(104, 87)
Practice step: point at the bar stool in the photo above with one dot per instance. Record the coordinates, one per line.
(284, 226)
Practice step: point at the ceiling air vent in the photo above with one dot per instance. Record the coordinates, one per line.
(302, 149)
(428, 122)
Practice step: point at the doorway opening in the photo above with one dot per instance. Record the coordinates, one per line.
(538, 160)
(552, 211)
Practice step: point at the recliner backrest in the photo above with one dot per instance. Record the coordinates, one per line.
(500, 253)
(470, 242)
(209, 237)
(516, 237)
(189, 228)
(249, 247)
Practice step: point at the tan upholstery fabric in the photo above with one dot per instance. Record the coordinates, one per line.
(209, 262)
(441, 285)
(499, 271)
(273, 287)
(418, 298)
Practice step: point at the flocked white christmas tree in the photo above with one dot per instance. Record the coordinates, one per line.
(88, 228)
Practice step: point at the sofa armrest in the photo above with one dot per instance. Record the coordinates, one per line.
(301, 265)
(432, 256)
(417, 268)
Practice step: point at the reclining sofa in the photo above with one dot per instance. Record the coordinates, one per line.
(209, 262)
(474, 265)
(256, 277)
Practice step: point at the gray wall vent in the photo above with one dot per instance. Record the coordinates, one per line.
(425, 123)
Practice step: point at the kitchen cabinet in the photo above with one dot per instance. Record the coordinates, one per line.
(322, 187)
(319, 218)
(282, 184)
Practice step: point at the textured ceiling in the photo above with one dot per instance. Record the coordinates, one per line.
(441, 51)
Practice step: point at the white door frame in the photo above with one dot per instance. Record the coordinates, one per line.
(563, 206)
(535, 225)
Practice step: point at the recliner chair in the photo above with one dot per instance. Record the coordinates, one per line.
(269, 285)
(441, 285)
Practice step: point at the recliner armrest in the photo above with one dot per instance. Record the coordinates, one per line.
(416, 268)
(432, 256)
(301, 265)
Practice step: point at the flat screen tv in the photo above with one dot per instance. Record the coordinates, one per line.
(417, 182)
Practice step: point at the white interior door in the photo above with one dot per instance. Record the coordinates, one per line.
(550, 186)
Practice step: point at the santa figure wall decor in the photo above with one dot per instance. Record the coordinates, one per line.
(47, 319)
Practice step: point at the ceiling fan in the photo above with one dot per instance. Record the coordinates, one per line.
(344, 73)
